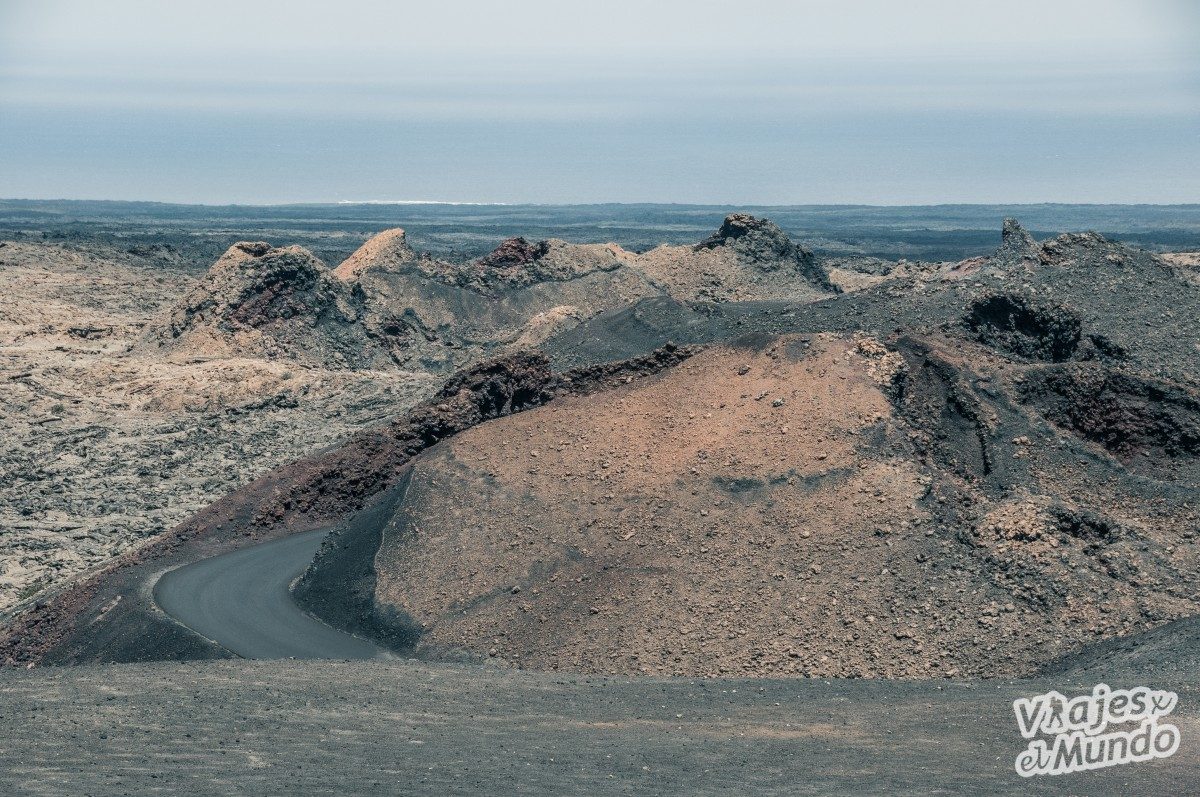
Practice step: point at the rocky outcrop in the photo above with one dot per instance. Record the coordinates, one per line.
(1069, 248)
(517, 263)
(388, 250)
(759, 240)
(1016, 245)
(252, 286)
(1021, 326)
(438, 316)
(747, 258)
(1152, 425)
(514, 252)
(388, 305)
(1091, 250)
(763, 244)
(259, 300)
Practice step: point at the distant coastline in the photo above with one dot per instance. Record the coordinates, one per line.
(414, 202)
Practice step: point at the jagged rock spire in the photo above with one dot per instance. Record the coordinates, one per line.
(388, 248)
(1016, 243)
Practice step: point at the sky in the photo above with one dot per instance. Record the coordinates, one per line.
(755, 102)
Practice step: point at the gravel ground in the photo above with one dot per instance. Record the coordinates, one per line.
(237, 727)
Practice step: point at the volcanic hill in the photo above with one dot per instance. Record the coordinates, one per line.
(389, 306)
(277, 303)
(746, 259)
(820, 505)
(968, 468)
(1001, 471)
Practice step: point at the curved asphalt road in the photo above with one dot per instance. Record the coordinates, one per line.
(242, 601)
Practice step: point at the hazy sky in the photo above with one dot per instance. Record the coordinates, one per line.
(530, 100)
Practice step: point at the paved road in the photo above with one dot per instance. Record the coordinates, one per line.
(241, 600)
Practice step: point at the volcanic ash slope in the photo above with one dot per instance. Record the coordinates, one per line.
(735, 514)
(819, 504)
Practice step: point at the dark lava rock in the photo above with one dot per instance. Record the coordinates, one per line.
(1069, 248)
(763, 243)
(253, 248)
(1015, 324)
(272, 302)
(514, 252)
(253, 285)
(1151, 425)
(738, 225)
(1016, 243)
(759, 240)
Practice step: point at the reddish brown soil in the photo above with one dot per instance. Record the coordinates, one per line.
(109, 615)
(823, 506)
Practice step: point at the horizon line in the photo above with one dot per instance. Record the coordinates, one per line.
(468, 203)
